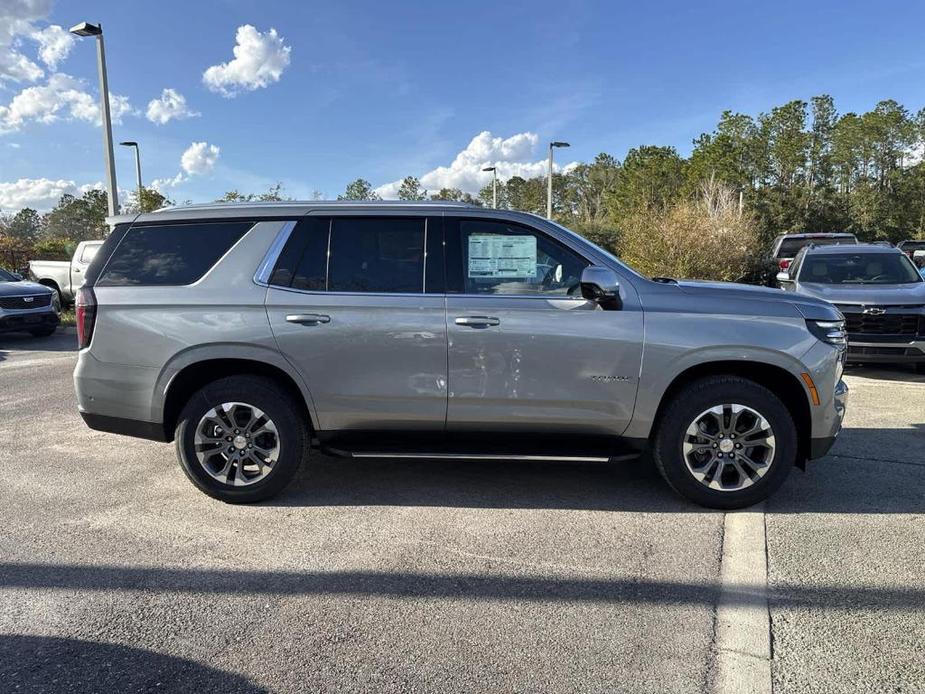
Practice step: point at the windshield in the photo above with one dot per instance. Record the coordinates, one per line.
(790, 247)
(858, 268)
(7, 277)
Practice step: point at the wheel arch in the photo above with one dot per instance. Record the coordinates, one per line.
(185, 380)
(777, 379)
(51, 284)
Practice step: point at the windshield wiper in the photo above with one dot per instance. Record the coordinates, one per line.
(665, 280)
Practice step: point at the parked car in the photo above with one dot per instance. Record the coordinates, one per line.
(918, 258)
(65, 276)
(786, 246)
(910, 246)
(26, 306)
(879, 291)
(251, 333)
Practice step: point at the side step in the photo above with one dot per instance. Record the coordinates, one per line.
(478, 446)
(470, 456)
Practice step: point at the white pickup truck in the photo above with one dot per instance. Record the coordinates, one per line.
(65, 276)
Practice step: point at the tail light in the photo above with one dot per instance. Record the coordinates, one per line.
(783, 264)
(85, 314)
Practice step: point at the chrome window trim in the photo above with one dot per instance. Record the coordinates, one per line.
(265, 269)
(442, 295)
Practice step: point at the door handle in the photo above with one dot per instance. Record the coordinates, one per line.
(478, 321)
(308, 318)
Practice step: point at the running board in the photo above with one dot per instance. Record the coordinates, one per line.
(480, 456)
(513, 447)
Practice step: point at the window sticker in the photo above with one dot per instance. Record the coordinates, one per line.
(492, 255)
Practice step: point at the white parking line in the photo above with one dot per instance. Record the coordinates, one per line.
(743, 625)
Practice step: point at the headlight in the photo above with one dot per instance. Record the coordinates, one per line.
(829, 331)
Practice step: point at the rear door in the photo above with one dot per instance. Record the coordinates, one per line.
(350, 307)
(526, 352)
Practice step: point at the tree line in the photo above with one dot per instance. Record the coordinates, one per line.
(801, 166)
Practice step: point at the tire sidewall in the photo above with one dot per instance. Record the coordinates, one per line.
(276, 405)
(703, 395)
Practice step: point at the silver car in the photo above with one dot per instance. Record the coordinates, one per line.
(251, 334)
(878, 290)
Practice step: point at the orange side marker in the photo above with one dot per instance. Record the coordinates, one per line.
(814, 394)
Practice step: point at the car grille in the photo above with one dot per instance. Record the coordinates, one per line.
(885, 324)
(19, 303)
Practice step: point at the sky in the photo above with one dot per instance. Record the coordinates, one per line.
(242, 94)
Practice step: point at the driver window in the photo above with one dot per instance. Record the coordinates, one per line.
(502, 258)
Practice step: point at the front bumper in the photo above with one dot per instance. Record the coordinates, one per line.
(819, 446)
(891, 350)
(19, 321)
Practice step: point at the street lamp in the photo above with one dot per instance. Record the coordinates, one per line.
(130, 143)
(552, 145)
(494, 185)
(87, 29)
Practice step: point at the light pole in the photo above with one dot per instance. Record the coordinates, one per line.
(552, 145)
(130, 143)
(87, 29)
(494, 185)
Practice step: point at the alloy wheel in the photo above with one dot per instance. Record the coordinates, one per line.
(237, 444)
(728, 447)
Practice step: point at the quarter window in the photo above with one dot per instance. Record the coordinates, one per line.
(169, 254)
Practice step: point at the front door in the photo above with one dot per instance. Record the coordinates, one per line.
(526, 352)
(349, 308)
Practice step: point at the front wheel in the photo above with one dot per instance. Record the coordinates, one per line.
(241, 439)
(725, 442)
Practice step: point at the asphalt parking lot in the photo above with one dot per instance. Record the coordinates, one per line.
(116, 574)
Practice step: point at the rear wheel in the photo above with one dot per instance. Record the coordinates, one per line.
(725, 442)
(241, 439)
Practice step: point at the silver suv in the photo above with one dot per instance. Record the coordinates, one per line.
(251, 334)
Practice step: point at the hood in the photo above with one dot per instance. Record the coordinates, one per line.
(867, 294)
(808, 306)
(24, 288)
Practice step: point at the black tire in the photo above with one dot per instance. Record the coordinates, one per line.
(696, 398)
(43, 332)
(920, 367)
(278, 405)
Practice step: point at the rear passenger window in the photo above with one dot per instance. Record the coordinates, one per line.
(170, 254)
(303, 261)
(376, 255)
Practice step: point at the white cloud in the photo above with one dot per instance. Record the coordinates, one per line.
(38, 193)
(259, 60)
(512, 156)
(171, 105)
(17, 18)
(54, 44)
(198, 159)
(914, 156)
(62, 96)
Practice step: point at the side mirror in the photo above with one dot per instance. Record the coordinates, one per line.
(602, 285)
(784, 277)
